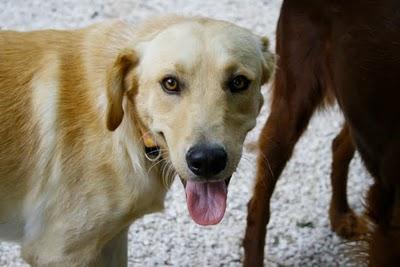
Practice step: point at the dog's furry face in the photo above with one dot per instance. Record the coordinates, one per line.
(198, 88)
(200, 61)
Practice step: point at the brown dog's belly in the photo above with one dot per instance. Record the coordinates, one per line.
(365, 60)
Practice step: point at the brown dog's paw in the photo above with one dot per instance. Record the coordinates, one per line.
(348, 225)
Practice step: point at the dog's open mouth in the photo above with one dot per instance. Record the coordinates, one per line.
(206, 201)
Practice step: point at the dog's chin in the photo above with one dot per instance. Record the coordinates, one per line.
(206, 201)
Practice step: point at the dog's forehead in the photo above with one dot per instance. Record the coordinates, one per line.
(191, 43)
(179, 43)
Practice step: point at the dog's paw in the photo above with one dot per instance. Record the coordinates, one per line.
(348, 225)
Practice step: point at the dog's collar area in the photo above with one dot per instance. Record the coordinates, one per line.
(151, 149)
(152, 153)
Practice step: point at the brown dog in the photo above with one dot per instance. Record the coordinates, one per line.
(348, 50)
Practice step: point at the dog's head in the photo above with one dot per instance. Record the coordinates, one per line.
(196, 88)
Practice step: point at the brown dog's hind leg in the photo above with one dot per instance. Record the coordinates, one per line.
(383, 209)
(384, 239)
(343, 219)
(299, 88)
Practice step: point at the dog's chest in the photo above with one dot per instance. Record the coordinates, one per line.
(12, 230)
(149, 195)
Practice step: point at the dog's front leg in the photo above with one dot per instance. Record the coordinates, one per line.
(51, 253)
(300, 85)
(115, 252)
(71, 241)
(277, 141)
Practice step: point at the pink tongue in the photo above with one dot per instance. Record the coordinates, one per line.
(206, 201)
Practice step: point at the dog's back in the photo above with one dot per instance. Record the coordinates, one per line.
(42, 79)
(19, 61)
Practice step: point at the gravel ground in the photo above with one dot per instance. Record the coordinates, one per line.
(298, 232)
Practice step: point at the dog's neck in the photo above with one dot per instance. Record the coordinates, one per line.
(151, 148)
(134, 134)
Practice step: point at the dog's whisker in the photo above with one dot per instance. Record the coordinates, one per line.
(163, 174)
(170, 175)
(155, 164)
(167, 174)
(164, 162)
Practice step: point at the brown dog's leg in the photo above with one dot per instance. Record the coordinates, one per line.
(343, 220)
(300, 84)
(383, 208)
(384, 212)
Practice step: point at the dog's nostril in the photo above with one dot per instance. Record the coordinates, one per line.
(196, 162)
(206, 160)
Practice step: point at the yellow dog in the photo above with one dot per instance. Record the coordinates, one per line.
(78, 109)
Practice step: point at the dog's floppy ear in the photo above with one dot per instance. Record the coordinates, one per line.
(117, 86)
(268, 60)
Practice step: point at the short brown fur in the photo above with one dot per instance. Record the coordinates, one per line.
(350, 50)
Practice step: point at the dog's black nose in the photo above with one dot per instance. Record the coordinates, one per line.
(206, 160)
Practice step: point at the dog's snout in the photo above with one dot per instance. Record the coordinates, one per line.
(206, 160)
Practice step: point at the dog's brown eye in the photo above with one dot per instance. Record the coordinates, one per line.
(170, 85)
(239, 83)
